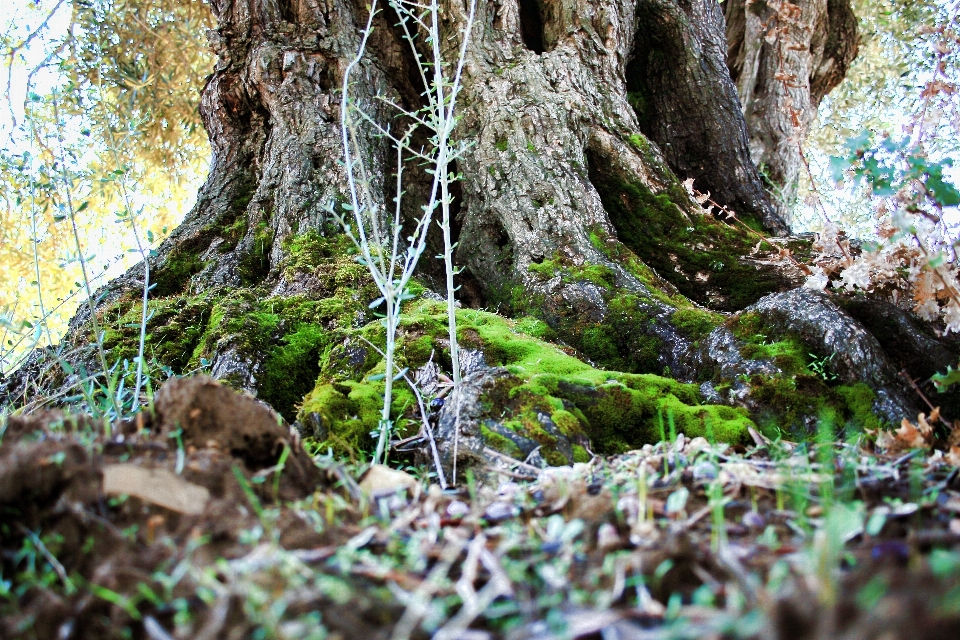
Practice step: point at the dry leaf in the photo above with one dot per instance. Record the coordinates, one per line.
(381, 480)
(156, 486)
(909, 435)
(953, 456)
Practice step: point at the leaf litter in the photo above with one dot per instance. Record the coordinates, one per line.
(209, 520)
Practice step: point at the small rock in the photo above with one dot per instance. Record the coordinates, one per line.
(753, 520)
(891, 550)
(705, 471)
(457, 509)
(499, 511)
(709, 394)
(472, 361)
(607, 537)
(551, 546)
(508, 490)
(955, 526)
(629, 506)
(156, 486)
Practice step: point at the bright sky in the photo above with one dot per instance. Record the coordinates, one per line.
(20, 18)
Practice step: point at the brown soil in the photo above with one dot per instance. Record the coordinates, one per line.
(187, 525)
(51, 486)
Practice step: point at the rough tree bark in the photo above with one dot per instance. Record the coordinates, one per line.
(584, 118)
(784, 61)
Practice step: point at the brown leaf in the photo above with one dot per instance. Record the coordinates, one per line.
(909, 436)
(156, 486)
(953, 456)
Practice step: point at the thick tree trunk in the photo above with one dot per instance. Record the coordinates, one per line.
(584, 118)
(784, 58)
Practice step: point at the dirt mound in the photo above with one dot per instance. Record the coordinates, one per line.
(95, 518)
(205, 414)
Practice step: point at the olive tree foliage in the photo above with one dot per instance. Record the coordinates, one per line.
(903, 84)
(101, 131)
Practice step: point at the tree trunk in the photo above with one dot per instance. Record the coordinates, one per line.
(784, 58)
(584, 118)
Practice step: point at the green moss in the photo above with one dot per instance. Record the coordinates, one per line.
(256, 263)
(554, 458)
(622, 411)
(535, 328)
(696, 324)
(793, 402)
(306, 251)
(623, 340)
(580, 454)
(501, 144)
(637, 140)
(500, 443)
(659, 288)
(699, 255)
(859, 400)
(567, 422)
(547, 268)
(290, 369)
(615, 411)
(598, 274)
(417, 351)
(759, 342)
(176, 272)
(233, 233)
(349, 412)
(291, 336)
(175, 326)
(598, 344)
(640, 103)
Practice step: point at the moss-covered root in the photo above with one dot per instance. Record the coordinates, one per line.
(272, 345)
(541, 397)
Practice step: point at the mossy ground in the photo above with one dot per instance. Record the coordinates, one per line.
(611, 410)
(625, 338)
(289, 335)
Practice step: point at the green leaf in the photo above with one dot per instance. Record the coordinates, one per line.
(876, 521)
(944, 563)
(838, 166)
(944, 381)
(677, 500)
(943, 192)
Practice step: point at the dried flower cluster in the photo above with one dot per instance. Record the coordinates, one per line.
(907, 267)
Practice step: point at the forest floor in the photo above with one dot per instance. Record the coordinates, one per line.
(141, 530)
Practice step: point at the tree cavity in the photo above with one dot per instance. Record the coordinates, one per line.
(531, 25)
